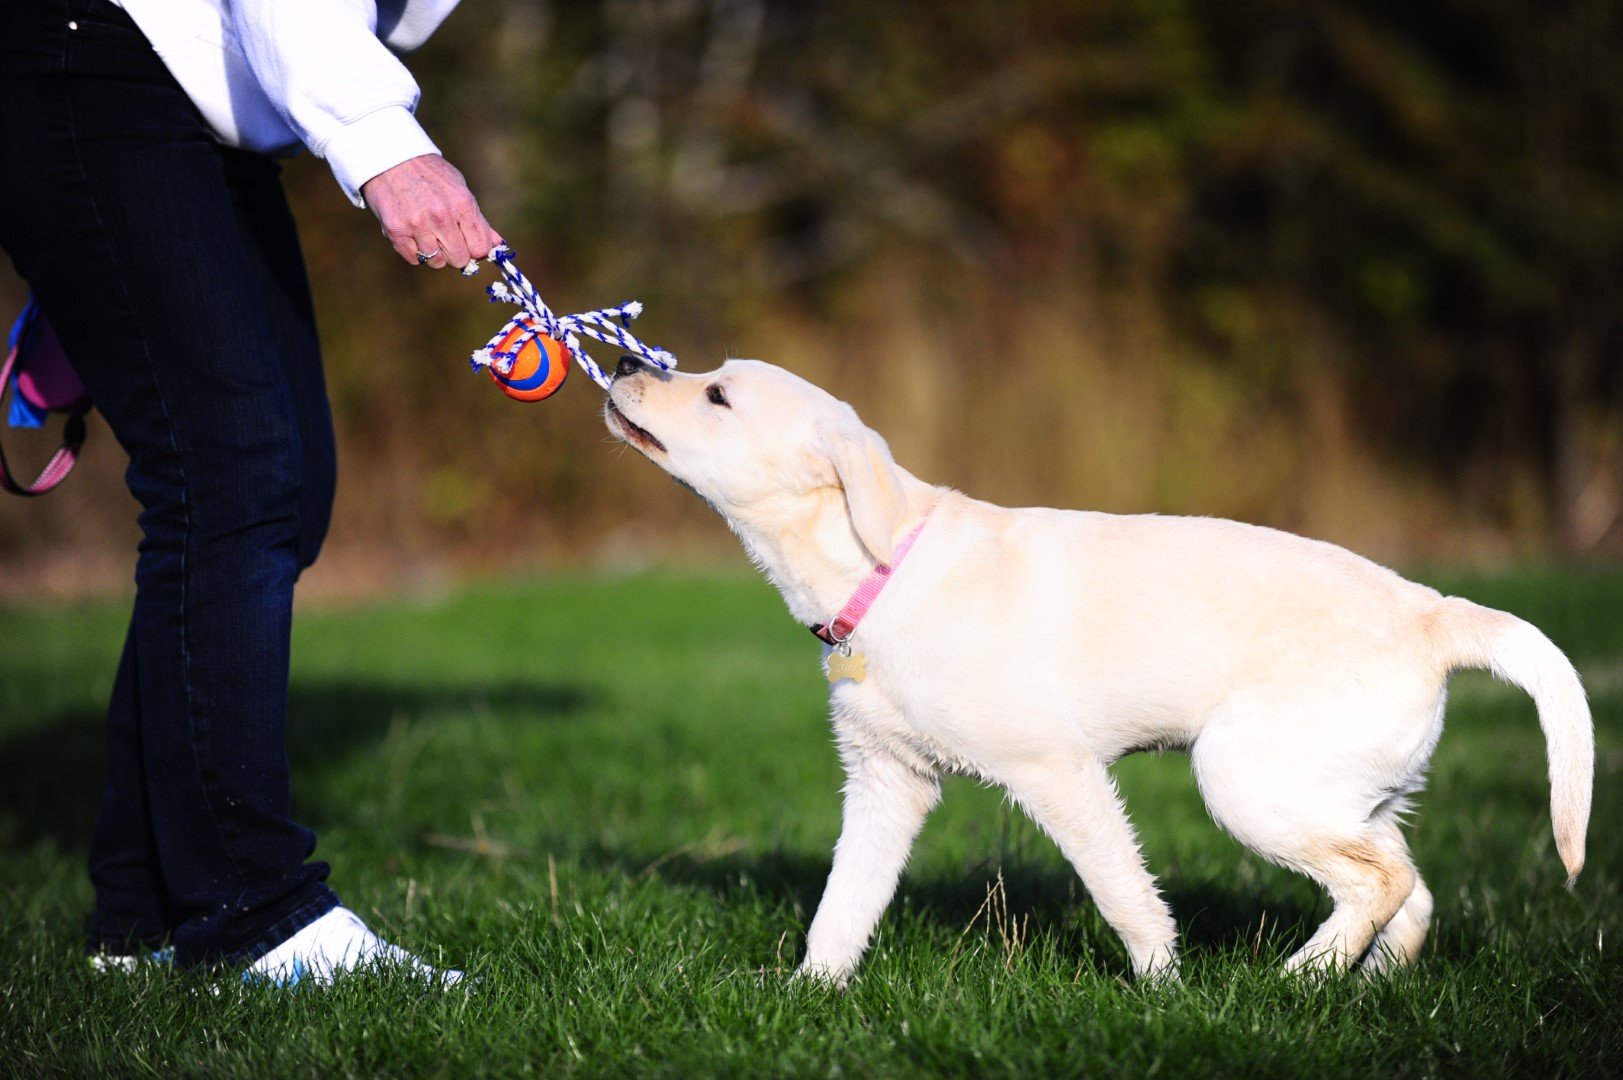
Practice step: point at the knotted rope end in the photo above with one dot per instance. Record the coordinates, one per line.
(535, 318)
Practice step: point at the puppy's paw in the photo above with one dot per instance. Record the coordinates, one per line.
(1167, 977)
(1157, 967)
(835, 978)
(1312, 968)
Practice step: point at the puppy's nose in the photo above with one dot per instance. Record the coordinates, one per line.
(628, 365)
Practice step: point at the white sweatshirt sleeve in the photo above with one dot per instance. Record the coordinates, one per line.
(340, 89)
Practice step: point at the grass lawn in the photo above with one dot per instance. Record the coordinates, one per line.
(614, 802)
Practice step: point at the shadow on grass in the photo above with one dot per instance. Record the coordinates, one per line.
(51, 774)
(1211, 916)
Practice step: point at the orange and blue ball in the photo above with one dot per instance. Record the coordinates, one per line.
(539, 369)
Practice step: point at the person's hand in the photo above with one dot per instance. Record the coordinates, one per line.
(425, 207)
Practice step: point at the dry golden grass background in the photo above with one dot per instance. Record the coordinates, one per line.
(1345, 271)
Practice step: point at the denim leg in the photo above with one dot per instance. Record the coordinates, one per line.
(132, 911)
(266, 219)
(141, 238)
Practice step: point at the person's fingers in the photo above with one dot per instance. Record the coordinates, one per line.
(403, 245)
(438, 258)
(476, 235)
(425, 242)
(469, 235)
(454, 246)
(410, 241)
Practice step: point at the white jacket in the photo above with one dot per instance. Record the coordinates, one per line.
(269, 75)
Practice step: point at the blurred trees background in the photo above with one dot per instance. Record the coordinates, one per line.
(1349, 268)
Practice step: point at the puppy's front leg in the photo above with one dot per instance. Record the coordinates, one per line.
(1076, 803)
(886, 802)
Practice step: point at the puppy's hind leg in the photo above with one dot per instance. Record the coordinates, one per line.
(1081, 809)
(1398, 943)
(1363, 864)
(886, 802)
(1318, 790)
(1368, 880)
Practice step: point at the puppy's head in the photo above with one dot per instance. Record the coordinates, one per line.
(760, 445)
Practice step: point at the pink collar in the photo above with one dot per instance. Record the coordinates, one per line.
(838, 631)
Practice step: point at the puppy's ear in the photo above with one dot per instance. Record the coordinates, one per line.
(873, 488)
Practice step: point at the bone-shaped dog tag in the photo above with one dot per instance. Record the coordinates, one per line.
(842, 666)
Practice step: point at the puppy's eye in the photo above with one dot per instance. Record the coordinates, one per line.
(717, 395)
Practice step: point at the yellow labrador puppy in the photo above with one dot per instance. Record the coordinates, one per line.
(1031, 648)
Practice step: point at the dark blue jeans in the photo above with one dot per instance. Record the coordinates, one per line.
(171, 270)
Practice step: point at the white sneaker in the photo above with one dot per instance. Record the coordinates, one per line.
(338, 941)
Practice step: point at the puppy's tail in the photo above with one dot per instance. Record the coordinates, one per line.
(1470, 635)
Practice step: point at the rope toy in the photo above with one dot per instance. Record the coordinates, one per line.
(529, 357)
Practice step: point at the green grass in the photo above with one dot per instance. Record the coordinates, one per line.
(614, 803)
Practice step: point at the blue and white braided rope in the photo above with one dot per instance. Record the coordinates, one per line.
(535, 319)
